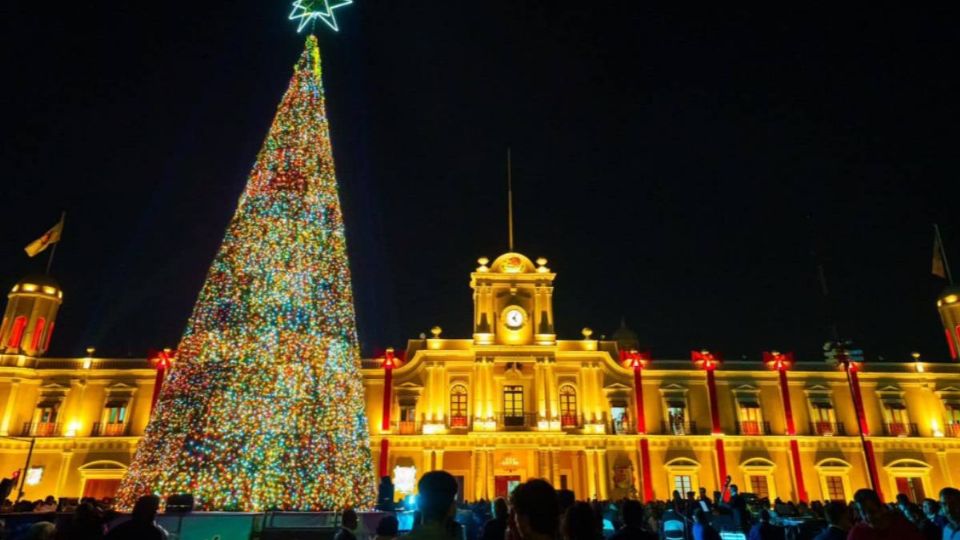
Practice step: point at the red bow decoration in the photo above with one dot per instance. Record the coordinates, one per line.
(777, 360)
(635, 359)
(390, 359)
(705, 359)
(162, 359)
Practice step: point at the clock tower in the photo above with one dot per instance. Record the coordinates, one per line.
(512, 301)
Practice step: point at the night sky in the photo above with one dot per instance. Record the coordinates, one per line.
(684, 170)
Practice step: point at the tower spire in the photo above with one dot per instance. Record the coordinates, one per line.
(509, 201)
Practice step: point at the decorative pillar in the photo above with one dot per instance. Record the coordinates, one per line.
(870, 458)
(438, 465)
(555, 468)
(491, 476)
(9, 409)
(591, 473)
(782, 363)
(706, 361)
(603, 478)
(638, 361)
(427, 461)
(944, 466)
(162, 360)
(66, 456)
(553, 394)
(540, 390)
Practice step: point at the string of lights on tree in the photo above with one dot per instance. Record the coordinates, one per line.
(264, 407)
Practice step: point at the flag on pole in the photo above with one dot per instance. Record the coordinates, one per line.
(50, 237)
(938, 267)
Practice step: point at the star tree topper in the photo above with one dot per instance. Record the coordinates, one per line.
(310, 10)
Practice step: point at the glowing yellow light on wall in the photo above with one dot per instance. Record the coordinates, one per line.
(72, 429)
(30, 287)
(34, 476)
(949, 299)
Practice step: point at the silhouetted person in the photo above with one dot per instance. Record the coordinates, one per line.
(536, 510)
(437, 493)
(495, 528)
(142, 523)
(86, 523)
(567, 498)
(928, 530)
(764, 530)
(631, 514)
(738, 507)
(388, 528)
(837, 515)
(348, 524)
(702, 530)
(950, 508)
(581, 523)
(385, 495)
(879, 522)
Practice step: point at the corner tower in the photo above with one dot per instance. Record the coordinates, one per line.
(948, 304)
(28, 321)
(513, 301)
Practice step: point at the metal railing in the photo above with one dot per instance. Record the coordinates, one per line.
(828, 429)
(109, 429)
(406, 427)
(622, 427)
(458, 422)
(571, 421)
(516, 421)
(952, 430)
(753, 427)
(900, 429)
(40, 429)
(678, 428)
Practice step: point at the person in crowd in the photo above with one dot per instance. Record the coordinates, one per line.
(387, 528)
(950, 508)
(536, 510)
(928, 530)
(632, 517)
(764, 530)
(438, 491)
(49, 504)
(142, 524)
(348, 524)
(385, 494)
(86, 523)
(566, 498)
(932, 509)
(702, 530)
(738, 508)
(879, 521)
(496, 528)
(41, 530)
(837, 514)
(581, 523)
(677, 502)
(705, 502)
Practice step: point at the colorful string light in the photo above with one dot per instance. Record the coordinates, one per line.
(264, 408)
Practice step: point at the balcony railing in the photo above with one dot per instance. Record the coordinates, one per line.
(459, 422)
(952, 430)
(571, 421)
(900, 429)
(517, 421)
(623, 427)
(678, 428)
(41, 429)
(109, 429)
(828, 429)
(753, 427)
(406, 427)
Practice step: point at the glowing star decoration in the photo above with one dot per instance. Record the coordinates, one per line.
(307, 11)
(263, 407)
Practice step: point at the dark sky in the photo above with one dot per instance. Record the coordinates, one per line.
(679, 169)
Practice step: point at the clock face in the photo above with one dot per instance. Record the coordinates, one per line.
(514, 318)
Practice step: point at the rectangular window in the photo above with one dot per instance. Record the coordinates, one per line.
(682, 483)
(750, 417)
(408, 419)
(953, 418)
(116, 414)
(677, 417)
(835, 488)
(563, 481)
(758, 486)
(513, 401)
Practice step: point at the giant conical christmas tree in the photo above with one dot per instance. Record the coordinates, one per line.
(264, 407)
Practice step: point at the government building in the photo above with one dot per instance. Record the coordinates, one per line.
(512, 402)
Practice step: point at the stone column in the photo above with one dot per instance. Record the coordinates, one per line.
(603, 478)
(427, 461)
(439, 460)
(9, 413)
(553, 396)
(555, 468)
(66, 456)
(491, 480)
(539, 389)
(591, 473)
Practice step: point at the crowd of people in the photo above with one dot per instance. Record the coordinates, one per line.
(537, 511)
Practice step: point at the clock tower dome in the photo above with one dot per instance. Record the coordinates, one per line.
(512, 301)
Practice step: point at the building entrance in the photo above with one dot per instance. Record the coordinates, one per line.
(503, 485)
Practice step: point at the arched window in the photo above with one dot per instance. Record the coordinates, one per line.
(568, 406)
(16, 332)
(458, 406)
(37, 332)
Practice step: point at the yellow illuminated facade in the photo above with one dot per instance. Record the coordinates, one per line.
(512, 402)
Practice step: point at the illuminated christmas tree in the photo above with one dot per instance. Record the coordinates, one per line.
(264, 407)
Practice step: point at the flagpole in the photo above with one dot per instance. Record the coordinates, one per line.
(53, 250)
(943, 253)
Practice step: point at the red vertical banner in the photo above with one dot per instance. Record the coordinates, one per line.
(872, 467)
(858, 399)
(388, 364)
(384, 458)
(798, 471)
(783, 362)
(162, 361)
(787, 407)
(722, 466)
(714, 408)
(637, 361)
(645, 470)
